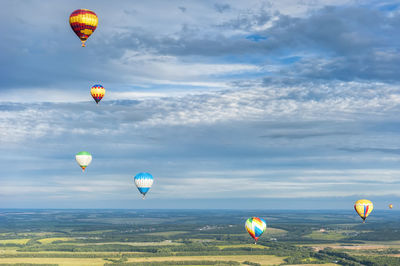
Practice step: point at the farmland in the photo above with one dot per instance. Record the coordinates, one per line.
(178, 237)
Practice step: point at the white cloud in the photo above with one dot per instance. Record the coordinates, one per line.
(163, 68)
(226, 184)
(335, 101)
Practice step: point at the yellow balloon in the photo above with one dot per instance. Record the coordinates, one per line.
(97, 92)
(363, 207)
(391, 206)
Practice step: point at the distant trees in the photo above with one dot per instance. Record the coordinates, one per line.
(33, 242)
(346, 259)
(251, 263)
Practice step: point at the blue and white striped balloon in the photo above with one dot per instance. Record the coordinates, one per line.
(143, 182)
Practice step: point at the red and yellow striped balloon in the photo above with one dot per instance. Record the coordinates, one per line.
(83, 22)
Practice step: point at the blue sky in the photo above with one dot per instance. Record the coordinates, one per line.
(236, 104)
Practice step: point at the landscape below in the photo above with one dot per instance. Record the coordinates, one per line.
(201, 237)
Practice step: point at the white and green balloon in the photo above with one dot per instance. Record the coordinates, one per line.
(83, 158)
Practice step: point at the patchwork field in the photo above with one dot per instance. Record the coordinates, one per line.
(55, 261)
(122, 238)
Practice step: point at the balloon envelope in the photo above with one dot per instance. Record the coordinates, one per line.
(83, 22)
(255, 227)
(143, 182)
(83, 158)
(363, 207)
(97, 91)
(390, 206)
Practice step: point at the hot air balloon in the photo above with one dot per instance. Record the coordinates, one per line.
(255, 227)
(143, 182)
(363, 207)
(97, 92)
(83, 22)
(390, 206)
(83, 158)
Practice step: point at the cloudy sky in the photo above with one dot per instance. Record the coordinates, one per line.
(289, 104)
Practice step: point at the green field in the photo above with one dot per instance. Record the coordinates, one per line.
(167, 234)
(326, 235)
(242, 246)
(19, 241)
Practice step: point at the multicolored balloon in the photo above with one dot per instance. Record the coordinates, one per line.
(255, 227)
(83, 22)
(97, 91)
(363, 207)
(83, 158)
(143, 182)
